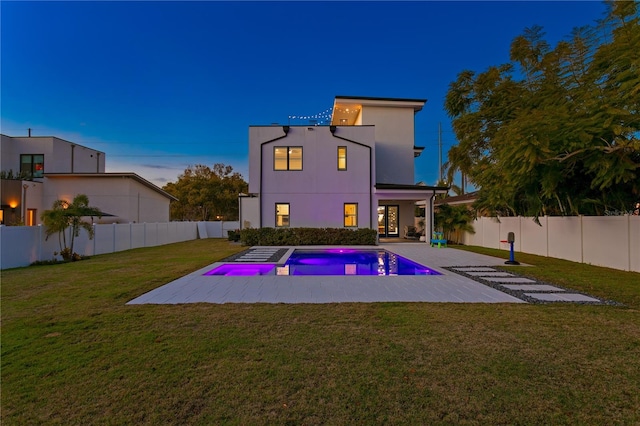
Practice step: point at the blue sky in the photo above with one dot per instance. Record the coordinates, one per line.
(162, 85)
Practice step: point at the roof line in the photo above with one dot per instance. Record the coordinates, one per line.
(132, 175)
(372, 98)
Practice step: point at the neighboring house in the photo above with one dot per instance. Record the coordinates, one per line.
(467, 199)
(53, 169)
(356, 173)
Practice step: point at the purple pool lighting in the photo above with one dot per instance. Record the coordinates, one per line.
(242, 269)
(353, 262)
(331, 262)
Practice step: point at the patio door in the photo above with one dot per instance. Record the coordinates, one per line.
(388, 225)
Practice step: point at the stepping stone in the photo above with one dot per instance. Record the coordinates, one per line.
(562, 297)
(508, 280)
(476, 268)
(532, 287)
(253, 259)
(490, 274)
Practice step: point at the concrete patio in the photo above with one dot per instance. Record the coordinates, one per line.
(448, 287)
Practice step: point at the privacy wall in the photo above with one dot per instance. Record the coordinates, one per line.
(23, 245)
(610, 241)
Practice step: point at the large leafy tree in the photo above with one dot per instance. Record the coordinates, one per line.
(555, 131)
(70, 216)
(206, 193)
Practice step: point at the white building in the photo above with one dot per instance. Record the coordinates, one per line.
(356, 173)
(54, 169)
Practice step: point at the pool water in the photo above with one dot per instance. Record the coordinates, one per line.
(331, 262)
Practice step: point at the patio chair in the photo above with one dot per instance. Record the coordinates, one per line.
(410, 233)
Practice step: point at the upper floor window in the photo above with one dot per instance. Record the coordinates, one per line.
(282, 215)
(342, 158)
(350, 214)
(32, 165)
(287, 158)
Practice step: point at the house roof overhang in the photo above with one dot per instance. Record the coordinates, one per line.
(133, 176)
(469, 198)
(347, 109)
(407, 192)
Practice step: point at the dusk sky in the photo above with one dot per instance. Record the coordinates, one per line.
(159, 86)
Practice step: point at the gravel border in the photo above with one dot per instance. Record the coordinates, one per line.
(520, 294)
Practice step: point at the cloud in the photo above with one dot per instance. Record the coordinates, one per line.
(159, 166)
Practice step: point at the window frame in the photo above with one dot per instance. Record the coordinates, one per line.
(353, 216)
(341, 169)
(32, 163)
(288, 215)
(288, 150)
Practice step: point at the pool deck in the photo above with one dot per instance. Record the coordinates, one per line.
(448, 287)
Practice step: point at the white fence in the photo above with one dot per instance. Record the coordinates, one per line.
(23, 245)
(611, 241)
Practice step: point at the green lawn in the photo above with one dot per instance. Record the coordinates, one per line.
(74, 353)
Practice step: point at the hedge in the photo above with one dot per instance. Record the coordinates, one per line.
(307, 236)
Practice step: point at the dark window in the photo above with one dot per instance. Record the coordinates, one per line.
(32, 165)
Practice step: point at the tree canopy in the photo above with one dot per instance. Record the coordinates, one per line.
(206, 193)
(556, 130)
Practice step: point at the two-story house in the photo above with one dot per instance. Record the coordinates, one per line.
(358, 172)
(50, 169)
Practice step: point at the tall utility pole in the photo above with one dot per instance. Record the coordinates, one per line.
(440, 153)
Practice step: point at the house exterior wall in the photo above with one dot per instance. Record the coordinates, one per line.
(394, 136)
(11, 194)
(33, 201)
(317, 193)
(127, 199)
(60, 156)
(249, 212)
(23, 195)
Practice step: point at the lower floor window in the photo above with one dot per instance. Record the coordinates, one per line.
(350, 214)
(282, 215)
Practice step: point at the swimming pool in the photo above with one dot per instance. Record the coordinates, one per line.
(331, 262)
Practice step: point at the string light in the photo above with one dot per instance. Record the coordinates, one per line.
(320, 118)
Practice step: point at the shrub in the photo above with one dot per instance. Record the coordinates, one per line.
(234, 235)
(307, 236)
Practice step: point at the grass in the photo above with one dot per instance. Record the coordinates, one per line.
(74, 353)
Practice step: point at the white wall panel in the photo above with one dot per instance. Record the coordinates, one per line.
(606, 241)
(533, 237)
(564, 238)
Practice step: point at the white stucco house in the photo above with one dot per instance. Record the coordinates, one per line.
(56, 169)
(357, 172)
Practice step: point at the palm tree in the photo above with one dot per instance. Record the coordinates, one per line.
(65, 215)
(56, 222)
(453, 220)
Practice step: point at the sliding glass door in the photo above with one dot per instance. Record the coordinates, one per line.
(388, 225)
